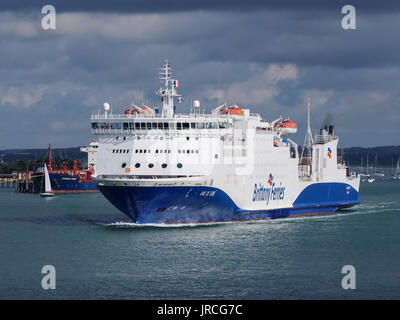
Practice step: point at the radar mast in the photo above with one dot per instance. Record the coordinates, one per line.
(168, 92)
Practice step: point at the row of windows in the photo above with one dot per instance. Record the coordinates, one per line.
(160, 125)
(120, 151)
(166, 151)
(151, 165)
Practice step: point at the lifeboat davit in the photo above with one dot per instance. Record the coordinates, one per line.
(147, 110)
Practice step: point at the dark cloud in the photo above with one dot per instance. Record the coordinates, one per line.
(145, 6)
(269, 56)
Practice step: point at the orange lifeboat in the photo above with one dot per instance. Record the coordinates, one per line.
(237, 111)
(128, 111)
(288, 127)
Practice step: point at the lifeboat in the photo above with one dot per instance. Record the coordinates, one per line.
(234, 110)
(287, 127)
(128, 111)
(237, 111)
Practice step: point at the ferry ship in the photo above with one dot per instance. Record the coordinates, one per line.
(159, 166)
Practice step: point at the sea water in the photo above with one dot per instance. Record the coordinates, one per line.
(99, 254)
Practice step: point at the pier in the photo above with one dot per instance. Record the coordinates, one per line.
(21, 183)
(7, 181)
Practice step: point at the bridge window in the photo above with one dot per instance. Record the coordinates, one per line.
(201, 125)
(211, 125)
(160, 125)
(178, 126)
(154, 125)
(95, 125)
(193, 125)
(185, 125)
(143, 126)
(165, 125)
(116, 125)
(125, 126)
(131, 126)
(137, 126)
(148, 125)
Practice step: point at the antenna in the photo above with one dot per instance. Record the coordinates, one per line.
(219, 80)
(168, 93)
(308, 141)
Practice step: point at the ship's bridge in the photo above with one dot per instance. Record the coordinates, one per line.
(122, 124)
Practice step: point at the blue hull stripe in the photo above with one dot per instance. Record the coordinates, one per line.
(66, 182)
(206, 204)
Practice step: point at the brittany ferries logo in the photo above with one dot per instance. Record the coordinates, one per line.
(268, 193)
(329, 153)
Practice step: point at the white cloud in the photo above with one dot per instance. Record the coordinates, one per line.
(317, 97)
(22, 98)
(90, 101)
(260, 88)
(17, 25)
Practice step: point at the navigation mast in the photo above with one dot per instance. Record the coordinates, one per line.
(168, 92)
(306, 152)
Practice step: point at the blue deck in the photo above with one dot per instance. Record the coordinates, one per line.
(207, 204)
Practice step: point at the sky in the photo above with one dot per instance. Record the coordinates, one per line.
(268, 56)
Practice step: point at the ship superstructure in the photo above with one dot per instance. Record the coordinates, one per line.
(158, 166)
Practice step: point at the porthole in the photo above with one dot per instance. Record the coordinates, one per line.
(137, 165)
(179, 165)
(123, 165)
(151, 165)
(164, 165)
